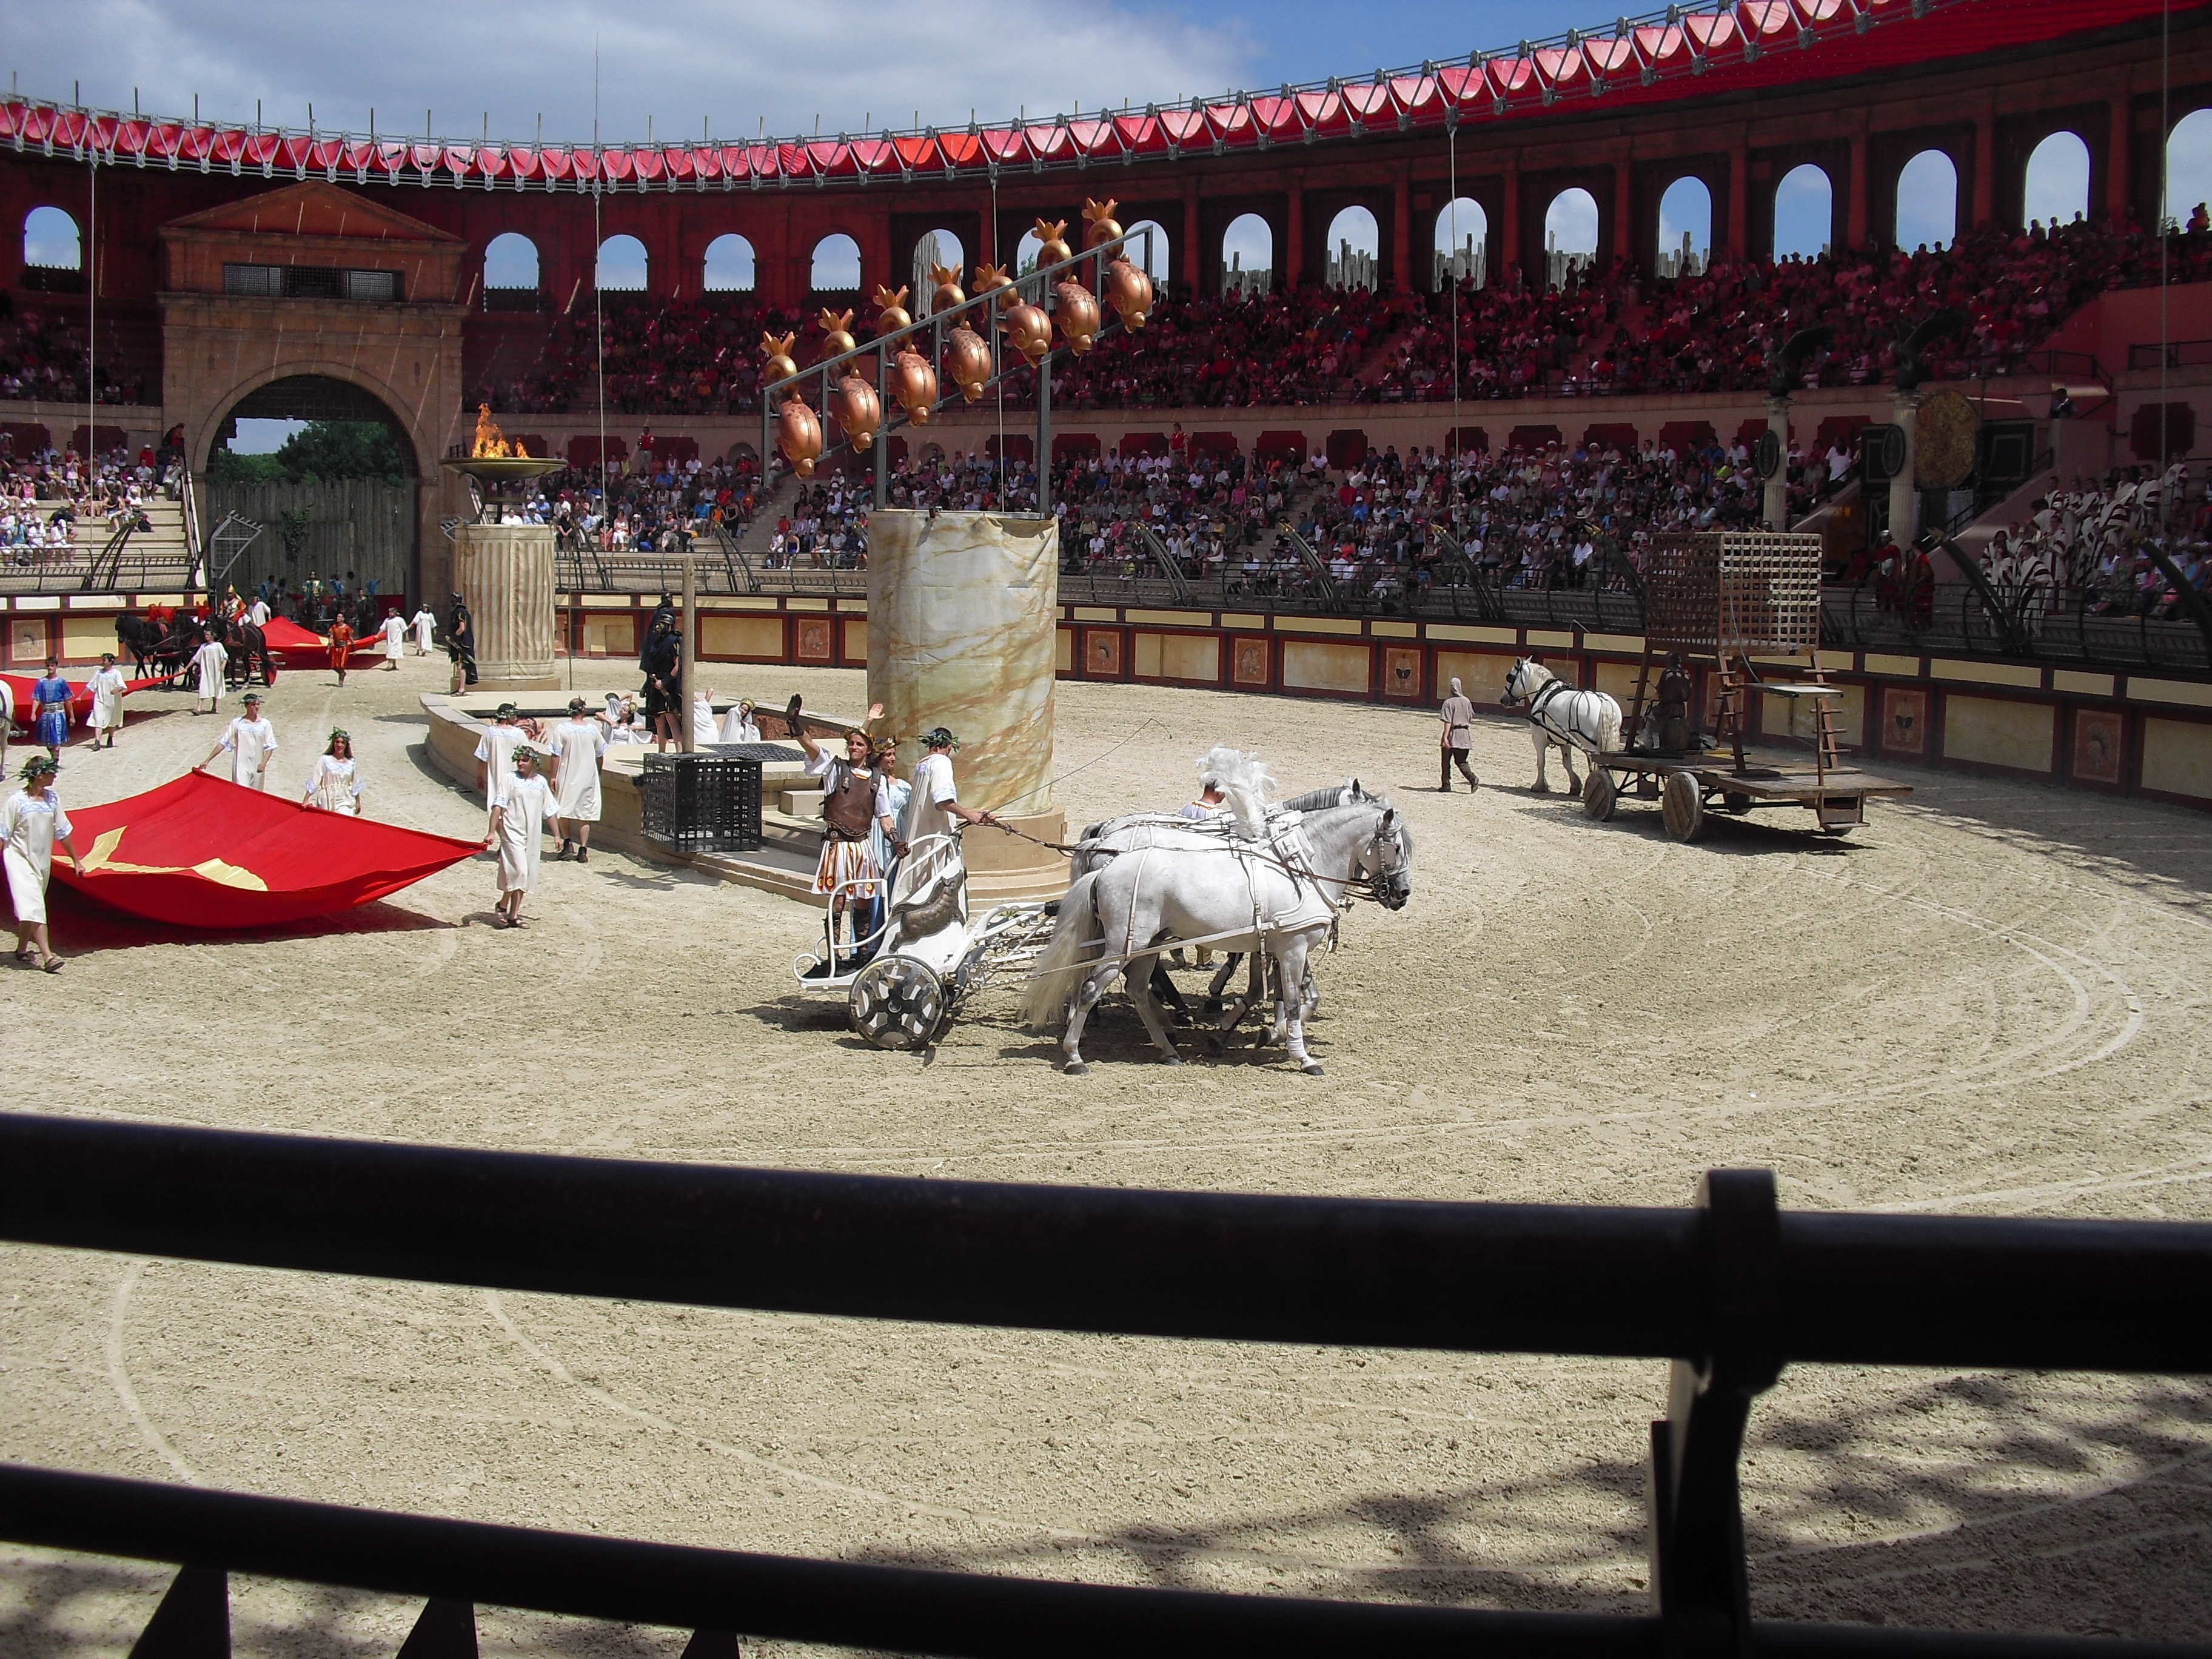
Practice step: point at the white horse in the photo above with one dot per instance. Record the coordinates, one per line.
(1588, 721)
(1280, 893)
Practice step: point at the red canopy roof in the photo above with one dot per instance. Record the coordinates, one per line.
(1663, 55)
(202, 852)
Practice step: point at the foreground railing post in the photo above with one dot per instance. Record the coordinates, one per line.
(192, 1622)
(443, 1630)
(1696, 1512)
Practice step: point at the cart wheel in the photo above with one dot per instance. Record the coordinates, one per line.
(897, 1002)
(1598, 793)
(1737, 804)
(1683, 805)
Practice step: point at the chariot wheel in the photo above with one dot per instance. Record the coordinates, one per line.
(1683, 805)
(1735, 803)
(1599, 792)
(896, 1002)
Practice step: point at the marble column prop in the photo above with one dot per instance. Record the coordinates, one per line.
(505, 572)
(962, 610)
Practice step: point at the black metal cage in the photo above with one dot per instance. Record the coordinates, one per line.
(705, 803)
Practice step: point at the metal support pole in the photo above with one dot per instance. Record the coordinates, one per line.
(690, 628)
(882, 437)
(1044, 435)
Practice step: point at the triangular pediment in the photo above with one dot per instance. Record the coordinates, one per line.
(312, 208)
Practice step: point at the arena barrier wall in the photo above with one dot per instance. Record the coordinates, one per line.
(2116, 731)
(1728, 1293)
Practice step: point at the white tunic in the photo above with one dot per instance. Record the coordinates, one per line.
(335, 785)
(258, 613)
(106, 688)
(395, 637)
(737, 728)
(526, 802)
(580, 742)
(250, 742)
(208, 662)
(924, 807)
(425, 624)
(495, 749)
(703, 729)
(30, 825)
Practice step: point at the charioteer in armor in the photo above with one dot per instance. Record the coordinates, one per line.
(855, 801)
(1670, 713)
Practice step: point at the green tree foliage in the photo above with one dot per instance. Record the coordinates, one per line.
(320, 449)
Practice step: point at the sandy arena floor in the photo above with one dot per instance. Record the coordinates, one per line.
(1992, 1000)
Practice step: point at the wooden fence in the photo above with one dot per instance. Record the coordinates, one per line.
(358, 525)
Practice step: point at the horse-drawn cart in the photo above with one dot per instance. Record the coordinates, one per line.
(925, 958)
(1740, 599)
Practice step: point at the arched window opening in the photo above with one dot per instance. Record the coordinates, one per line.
(1248, 255)
(1355, 247)
(1154, 264)
(729, 267)
(1463, 243)
(622, 267)
(510, 273)
(50, 240)
(1927, 202)
(1686, 228)
(2188, 166)
(1804, 213)
(836, 267)
(1570, 235)
(940, 247)
(2057, 190)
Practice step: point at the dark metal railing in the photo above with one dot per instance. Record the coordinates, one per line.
(1729, 1292)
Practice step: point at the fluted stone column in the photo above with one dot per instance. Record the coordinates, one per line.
(505, 572)
(1904, 488)
(963, 614)
(1777, 486)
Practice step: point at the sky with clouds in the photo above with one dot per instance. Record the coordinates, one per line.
(680, 67)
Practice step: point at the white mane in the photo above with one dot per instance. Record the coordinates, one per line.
(1245, 779)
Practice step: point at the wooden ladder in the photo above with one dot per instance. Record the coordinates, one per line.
(1728, 725)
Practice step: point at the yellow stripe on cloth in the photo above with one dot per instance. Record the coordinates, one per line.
(846, 861)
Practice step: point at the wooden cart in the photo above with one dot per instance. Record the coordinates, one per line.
(1738, 600)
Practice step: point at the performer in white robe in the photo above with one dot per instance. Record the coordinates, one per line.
(525, 802)
(932, 810)
(31, 822)
(495, 752)
(334, 785)
(703, 729)
(208, 665)
(738, 725)
(578, 743)
(426, 627)
(257, 612)
(105, 717)
(395, 639)
(251, 742)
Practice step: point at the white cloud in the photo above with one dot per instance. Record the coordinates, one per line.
(675, 61)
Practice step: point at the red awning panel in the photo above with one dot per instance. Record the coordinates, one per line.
(201, 852)
(1744, 44)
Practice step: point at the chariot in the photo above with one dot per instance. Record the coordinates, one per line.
(1741, 601)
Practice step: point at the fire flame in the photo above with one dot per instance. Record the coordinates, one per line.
(490, 445)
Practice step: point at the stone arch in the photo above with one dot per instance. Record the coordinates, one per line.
(1927, 201)
(2188, 164)
(1572, 227)
(1804, 212)
(1351, 249)
(729, 265)
(1248, 244)
(2055, 186)
(1686, 226)
(52, 240)
(623, 265)
(1461, 242)
(836, 264)
(937, 247)
(314, 392)
(1132, 249)
(510, 267)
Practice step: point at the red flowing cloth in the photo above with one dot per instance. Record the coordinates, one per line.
(298, 648)
(203, 851)
(21, 686)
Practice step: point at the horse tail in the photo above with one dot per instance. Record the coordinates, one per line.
(1608, 727)
(1065, 960)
